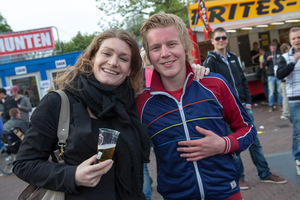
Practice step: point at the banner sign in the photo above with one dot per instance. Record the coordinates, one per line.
(203, 15)
(26, 41)
(220, 11)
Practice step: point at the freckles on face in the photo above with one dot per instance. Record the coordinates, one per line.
(112, 62)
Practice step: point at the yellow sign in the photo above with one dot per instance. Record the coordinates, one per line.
(220, 11)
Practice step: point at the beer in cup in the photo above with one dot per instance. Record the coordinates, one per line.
(106, 144)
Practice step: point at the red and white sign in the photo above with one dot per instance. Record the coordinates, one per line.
(26, 41)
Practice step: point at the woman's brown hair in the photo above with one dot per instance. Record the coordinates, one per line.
(84, 65)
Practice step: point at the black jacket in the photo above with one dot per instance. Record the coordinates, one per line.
(233, 73)
(8, 104)
(270, 63)
(41, 139)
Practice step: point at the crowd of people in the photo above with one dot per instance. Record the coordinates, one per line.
(198, 127)
(14, 110)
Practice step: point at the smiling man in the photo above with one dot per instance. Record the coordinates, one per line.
(289, 67)
(186, 118)
(226, 63)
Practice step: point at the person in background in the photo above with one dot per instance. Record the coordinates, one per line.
(255, 54)
(186, 118)
(23, 103)
(263, 74)
(101, 88)
(270, 59)
(226, 63)
(148, 68)
(26, 94)
(147, 75)
(1, 106)
(275, 41)
(1, 131)
(284, 48)
(289, 67)
(15, 121)
(8, 104)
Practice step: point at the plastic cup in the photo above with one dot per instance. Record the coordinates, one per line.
(107, 141)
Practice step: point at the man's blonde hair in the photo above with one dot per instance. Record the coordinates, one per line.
(294, 29)
(162, 20)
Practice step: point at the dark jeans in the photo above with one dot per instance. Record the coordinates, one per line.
(257, 156)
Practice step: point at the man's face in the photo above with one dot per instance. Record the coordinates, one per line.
(273, 48)
(295, 40)
(2, 96)
(220, 40)
(13, 93)
(166, 53)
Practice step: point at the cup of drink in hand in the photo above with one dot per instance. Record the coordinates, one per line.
(107, 141)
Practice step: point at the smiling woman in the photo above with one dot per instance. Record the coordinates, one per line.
(112, 62)
(101, 89)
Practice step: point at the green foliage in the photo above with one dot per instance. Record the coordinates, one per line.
(4, 27)
(77, 43)
(134, 12)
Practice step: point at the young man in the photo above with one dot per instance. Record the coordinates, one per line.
(270, 61)
(284, 48)
(226, 63)
(289, 67)
(23, 103)
(187, 119)
(9, 103)
(15, 121)
(255, 54)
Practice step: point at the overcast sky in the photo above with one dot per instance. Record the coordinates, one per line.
(68, 16)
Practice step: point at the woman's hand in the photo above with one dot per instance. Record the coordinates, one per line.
(88, 174)
(199, 71)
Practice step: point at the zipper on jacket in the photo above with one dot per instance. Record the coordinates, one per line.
(199, 179)
(186, 131)
(231, 75)
(180, 108)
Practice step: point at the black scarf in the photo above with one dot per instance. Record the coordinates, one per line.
(132, 150)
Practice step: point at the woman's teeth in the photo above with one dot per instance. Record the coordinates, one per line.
(109, 71)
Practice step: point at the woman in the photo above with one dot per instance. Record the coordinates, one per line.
(100, 87)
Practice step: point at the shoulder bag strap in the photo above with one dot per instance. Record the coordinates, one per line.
(64, 118)
(63, 125)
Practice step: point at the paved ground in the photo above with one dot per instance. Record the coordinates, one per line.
(275, 137)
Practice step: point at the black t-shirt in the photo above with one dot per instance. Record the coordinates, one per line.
(8, 104)
(253, 53)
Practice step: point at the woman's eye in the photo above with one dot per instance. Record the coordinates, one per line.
(124, 59)
(106, 53)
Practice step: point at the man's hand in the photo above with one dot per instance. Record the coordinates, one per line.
(296, 56)
(88, 174)
(194, 150)
(270, 57)
(199, 71)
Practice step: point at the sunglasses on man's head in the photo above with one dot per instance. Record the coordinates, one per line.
(220, 37)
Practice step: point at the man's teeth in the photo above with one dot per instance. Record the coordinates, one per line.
(109, 71)
(167, 63)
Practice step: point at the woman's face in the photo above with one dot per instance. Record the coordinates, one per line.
(112, 62)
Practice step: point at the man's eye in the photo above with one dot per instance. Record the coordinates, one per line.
(155, 48)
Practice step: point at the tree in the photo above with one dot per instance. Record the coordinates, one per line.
(4, 27)
(77, 43)
(133, 11)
